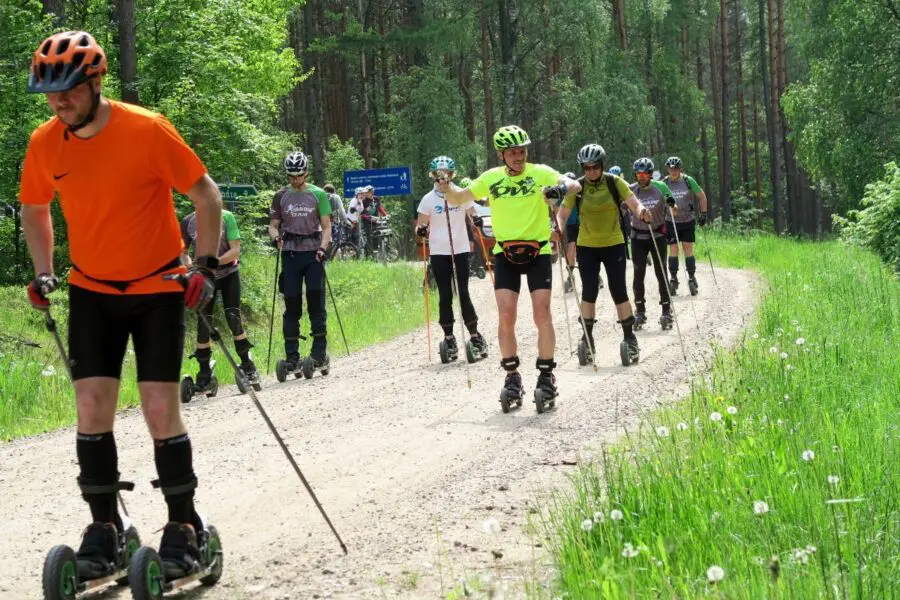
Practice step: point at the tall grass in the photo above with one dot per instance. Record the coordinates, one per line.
(781, 469)
(376, 302)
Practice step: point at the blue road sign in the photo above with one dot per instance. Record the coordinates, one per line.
(393, 181)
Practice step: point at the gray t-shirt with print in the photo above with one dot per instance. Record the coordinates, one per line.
(300, 213)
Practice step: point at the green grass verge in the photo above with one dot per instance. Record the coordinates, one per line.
(781, 469)
(376, 302)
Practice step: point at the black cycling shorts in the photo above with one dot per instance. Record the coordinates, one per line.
(100, 325)
(572, 233)
(589, 262)
(508, 276)
(685, 232)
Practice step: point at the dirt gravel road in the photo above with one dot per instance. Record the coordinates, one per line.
(408, 460)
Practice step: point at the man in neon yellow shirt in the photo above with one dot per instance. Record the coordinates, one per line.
(518, 193)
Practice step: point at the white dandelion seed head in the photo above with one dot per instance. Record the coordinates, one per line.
(681, 426)
(629, 551)
(790, 367)
(662, 431)
(759, 560)
(799, 555)
(616, 514)
(715, 574)
(773, 350)
(715, 516)
(834, 479)
(779, 422)
(755, 336)
(835, 448)
(716, 416)
(760, 507)
(795, 322)
(491, 526)
(48, 371)
(800, 341)
(731, 410)
(811, 549)
(779, 332)
(798, 329)
(587, 525)
(599, 517)
(787, 397)
(808, 455)
(696, 420)
(783, 355)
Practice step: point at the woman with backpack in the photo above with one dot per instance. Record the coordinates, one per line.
(601, 241)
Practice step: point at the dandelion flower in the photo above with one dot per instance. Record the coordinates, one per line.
(616, 514)
(715, 416)
(773, 350)
(662, 431)
(732, 410)
(835, 448)
(834, 479)
(599, 517)
(800, 341)
(715, 574)
(715, 516)
(760, 507)
(49, 371)
(719, 399)
(799, 555)
(808, 455)
(779, 422)
(811, 549)
(491, 526)
(783, 355)
(587, 525)
(787, 397)
(755, 336)
(790, 367)
(629, 551)
(681, 426)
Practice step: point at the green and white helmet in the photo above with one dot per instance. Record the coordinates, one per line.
(511, 136)
(442, 163)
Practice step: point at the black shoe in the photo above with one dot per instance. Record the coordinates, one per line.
(178, 551)
(479, 342)
(513, 384)
(204, 379)
(640, 319)
(97, 555)
(322, 363)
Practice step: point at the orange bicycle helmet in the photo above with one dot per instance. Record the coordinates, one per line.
(65, 60)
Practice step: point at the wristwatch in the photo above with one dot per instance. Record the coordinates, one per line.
(207, 262)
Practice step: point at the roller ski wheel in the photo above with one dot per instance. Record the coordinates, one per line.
(146, 572)
(250, 377)
(146, 576)
(692, 286)
(60, 577)
(286, 367)
(189, 388)
(512, 393)
(629, 352)
(665, 321)
(448, 351)
(476, 349)
(640, 319)
(673, 287)
(584, 353)
(545, 393)
(310, 366)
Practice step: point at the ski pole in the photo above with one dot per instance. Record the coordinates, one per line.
(427, 284)
(50, 324)
(709, 256)
(217, 338)
(562, 278)
(581, 319)
(336, 313)
(678, 245)
(668, 294)
(272, 314)
(462, 325)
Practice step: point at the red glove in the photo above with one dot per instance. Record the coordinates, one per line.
(38, 290)
(200, 287)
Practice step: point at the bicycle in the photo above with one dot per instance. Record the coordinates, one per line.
(342, 246)
(385, 246)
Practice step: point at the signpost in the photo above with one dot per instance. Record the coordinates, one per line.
(392, 181)
(231, 193)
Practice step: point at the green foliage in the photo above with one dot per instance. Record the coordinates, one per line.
(877, 226)
(801, 416)
(339, 157)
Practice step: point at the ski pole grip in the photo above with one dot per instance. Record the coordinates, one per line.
(181, 278)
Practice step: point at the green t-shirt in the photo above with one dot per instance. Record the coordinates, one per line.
(518, 210)
(599, 213)
(232, 232)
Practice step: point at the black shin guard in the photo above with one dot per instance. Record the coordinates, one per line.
(628, 327)
(203, 356)
(673, 266)
(511, 364)
(99, 462)
(690, 265)
(174, 465)
(242, 347)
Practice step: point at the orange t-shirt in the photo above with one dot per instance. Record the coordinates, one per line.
(115, 190)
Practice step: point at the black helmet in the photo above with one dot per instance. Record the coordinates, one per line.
(591, 154)
(673, 162)
(643, 165)
(296, 164)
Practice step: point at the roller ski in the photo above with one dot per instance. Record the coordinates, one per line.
(673, 286)
(666, 320)
(251, 377)
(206, 383)
(512, 393)
(629, 351)
(103, 559)
(545, 391)
(640, 319)
(310, 365)
(692, 286)
(476, 348)
(448, 349)
(586, 344)
(184, 557)
(286, 367)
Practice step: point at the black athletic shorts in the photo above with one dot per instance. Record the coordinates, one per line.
(508, 276)
(571, 233)
(589, 262)
(685, 232)
(100, 324)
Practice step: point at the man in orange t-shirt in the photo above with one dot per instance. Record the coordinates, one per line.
(113, 166)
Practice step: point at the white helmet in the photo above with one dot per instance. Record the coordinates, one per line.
(296, 164)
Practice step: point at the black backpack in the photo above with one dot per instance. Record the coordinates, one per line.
(617, 198)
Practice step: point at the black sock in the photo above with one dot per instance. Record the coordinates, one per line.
(690, 263)
(472, 327)
(174, 465)
(673, 266)
(627, 327)
(203, 356)
(242, 347)
(99, 462)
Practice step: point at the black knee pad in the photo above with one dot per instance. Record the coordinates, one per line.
(510, 364)
(233, 317)
(628, 322)
(545, 365)
(293, 306)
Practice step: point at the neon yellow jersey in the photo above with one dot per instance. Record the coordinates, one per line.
(518, 211)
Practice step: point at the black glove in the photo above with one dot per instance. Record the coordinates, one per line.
(422, 230)
(702, 219)
(321, 255)
(555, 192)
(670, 202)
(41, 287)
(478, 221)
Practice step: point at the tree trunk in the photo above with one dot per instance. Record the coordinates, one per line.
(704, 143)
(725, 189)
(489, 126)
(742, 113)
(385, 67)
(715, 86)
(465, 88)
(790, 167)
(364, 81)
(618, 7)
(771, 100)
(57, 8)
(756, 161)
(127, 50)
(310, 117)
(507, 58)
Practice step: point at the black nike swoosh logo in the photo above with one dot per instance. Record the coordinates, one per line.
(58, 177)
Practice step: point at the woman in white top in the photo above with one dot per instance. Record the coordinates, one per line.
(448, 243)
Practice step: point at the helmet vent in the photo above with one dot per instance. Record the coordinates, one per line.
(77, 59)
(63, 46)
